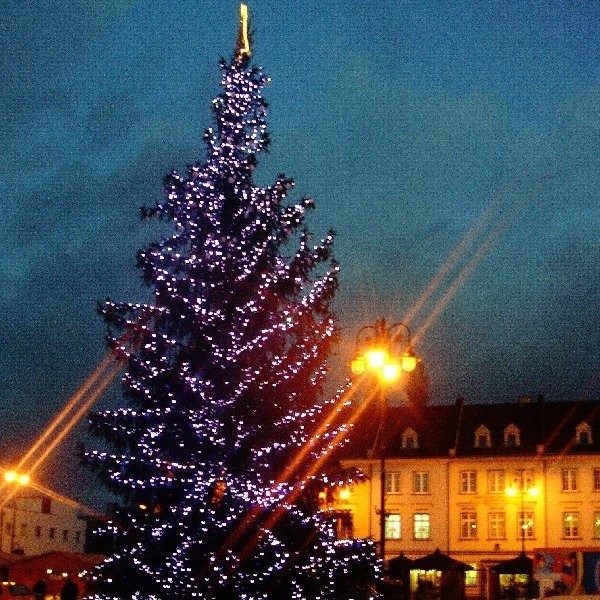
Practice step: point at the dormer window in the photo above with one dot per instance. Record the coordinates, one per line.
(583, 434)
(483, 437)
(512, 435)
(409, 439)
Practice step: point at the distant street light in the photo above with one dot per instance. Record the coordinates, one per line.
(384, 351)
(12, 477)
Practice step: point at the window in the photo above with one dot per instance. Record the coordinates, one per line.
(468, 482)
(597, 480)
(471, 578)
(483, 437)
(409, 439)
(46, 505)
(496, 526)
(569, 480)
(526, 525)
(468, 525)
(342, 521)
(51, 533)
(23, 531)
(512, 435)
(421, 526)
(421, 482)
(38, 531)
(393, 527)
(597, 524)
(570, 524)
(65, 535)
(78, 533)
(583, 434)
(496, 481)
(392, 483)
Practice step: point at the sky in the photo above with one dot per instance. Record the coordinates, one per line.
(426, 131)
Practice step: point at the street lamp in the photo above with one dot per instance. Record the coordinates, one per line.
(12, 477)
(384, 351)
(532, 492)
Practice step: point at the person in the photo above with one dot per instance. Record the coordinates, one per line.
(39, 589)
(69, 590)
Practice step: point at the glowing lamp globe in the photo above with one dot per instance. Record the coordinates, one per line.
(376, 358)
(390, 371)
(358, 366)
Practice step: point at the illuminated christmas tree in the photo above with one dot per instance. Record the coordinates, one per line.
(224, 368)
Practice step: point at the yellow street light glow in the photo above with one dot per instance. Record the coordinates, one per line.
(13, 476)
(358, 366)
(376, 358)
(409, 362)
(511, 491)
(390, 371)
(344, 494)
(534, 491)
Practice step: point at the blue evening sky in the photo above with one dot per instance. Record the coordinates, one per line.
(406, 120)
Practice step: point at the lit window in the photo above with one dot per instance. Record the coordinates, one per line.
(421, 526)
(468, 525)
(570, 524)
(421, 482)
(569, 480)
(526, 525)
(393, 527)
(392, 483)
(596, 524)
(496, 481)
(471, 578)
(468, 482)
(497, 526)
(597, 480)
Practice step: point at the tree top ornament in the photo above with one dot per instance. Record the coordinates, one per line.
(243, 42)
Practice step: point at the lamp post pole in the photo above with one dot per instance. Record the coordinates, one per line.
(385, 351)
(382, 452)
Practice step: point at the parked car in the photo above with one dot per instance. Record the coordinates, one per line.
(10, 589)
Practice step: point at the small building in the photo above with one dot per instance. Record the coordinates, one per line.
(32, 523)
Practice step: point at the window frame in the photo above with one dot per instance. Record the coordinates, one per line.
(497, 527)
(570, 531)
(496, 475)
(469, 529)
(392, 482)
(568, 479)
(468, 481)
(421, 482)
(393, 525)
(421, 526)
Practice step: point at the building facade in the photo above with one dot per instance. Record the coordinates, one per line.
(32, 524)
(480, 482)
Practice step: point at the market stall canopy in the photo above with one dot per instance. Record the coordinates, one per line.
(521, 564)
(438, 561)
(399, 565)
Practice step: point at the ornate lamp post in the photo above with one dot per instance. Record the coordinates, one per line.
(384, 351)
(522, 491)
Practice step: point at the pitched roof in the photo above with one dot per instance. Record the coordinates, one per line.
(443, 430)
